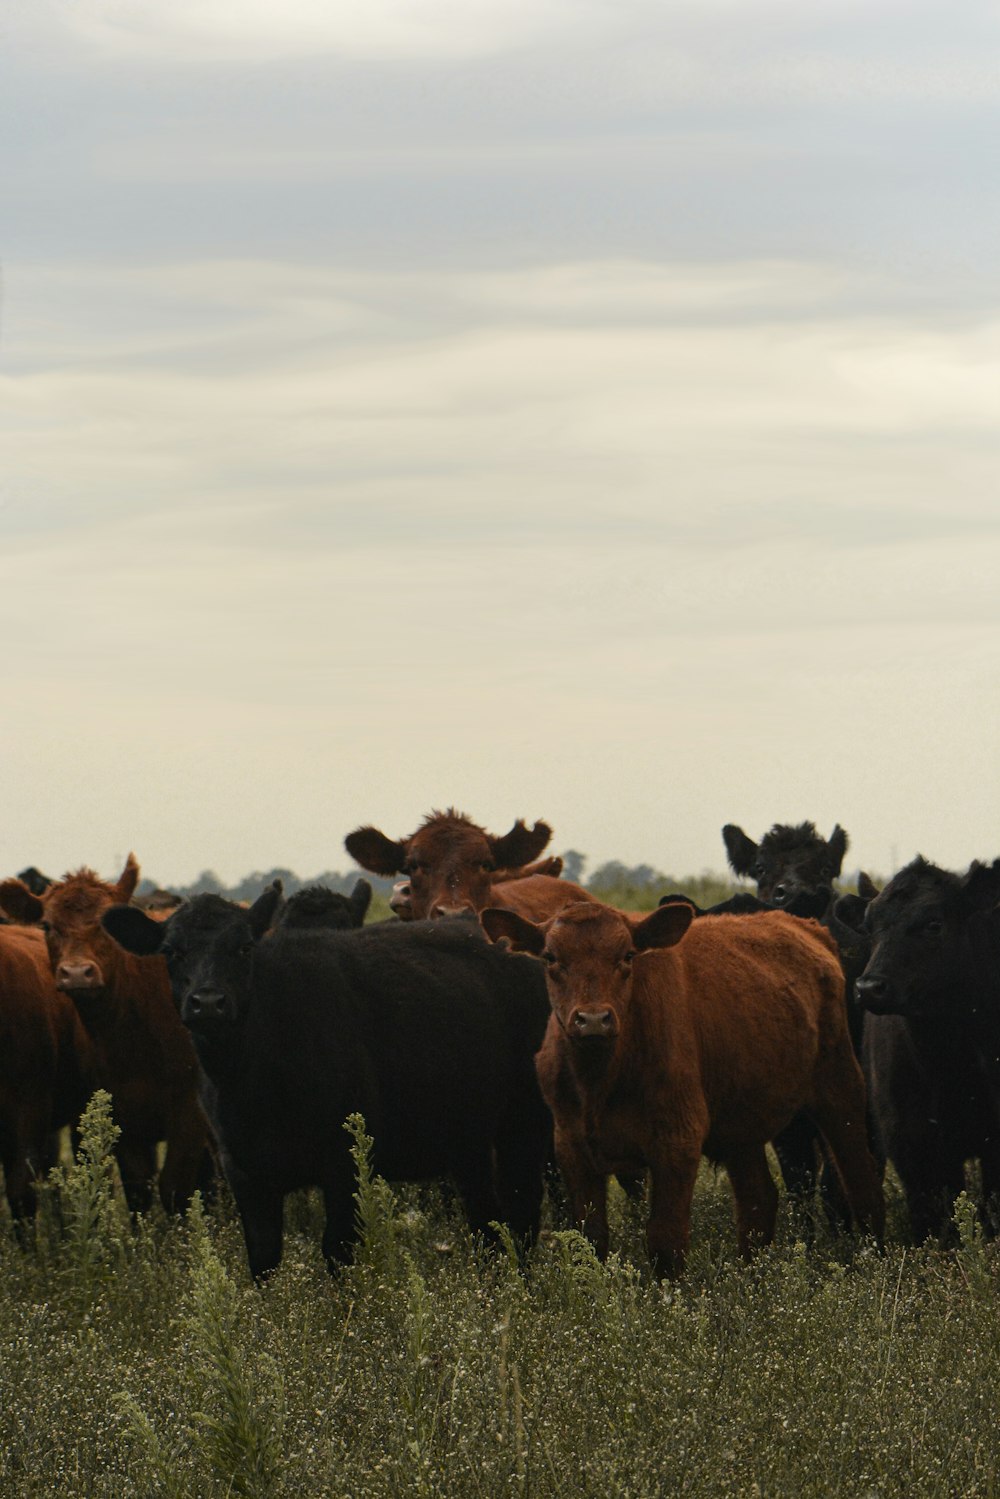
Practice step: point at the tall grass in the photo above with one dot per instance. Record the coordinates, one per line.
(146, 1363)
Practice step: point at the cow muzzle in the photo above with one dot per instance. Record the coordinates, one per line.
(208, 1007)
(78, 977)
(876, 995)
(588, 1025)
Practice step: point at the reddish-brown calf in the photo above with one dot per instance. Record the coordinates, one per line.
(46, 1064)
(666, 1043)
(144, 1056)
(453, 866)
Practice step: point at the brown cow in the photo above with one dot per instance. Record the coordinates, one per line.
(453, 865)
(46, 1064)
(660, 1050)
(401, 899)
(144, 1054)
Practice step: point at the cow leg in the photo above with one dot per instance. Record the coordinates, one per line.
(340, 1231)
(137, 1167)
(262, 1213)
(24, 1153)
(795, 1147)
(756, 1198)
(474, 1179)
(520, 1186)
(186, 1141)
(668, 1231)
(841, 1116)
(588, 1192)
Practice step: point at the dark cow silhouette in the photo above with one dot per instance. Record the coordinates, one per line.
(452, 866)
(422, 1027)
(794, 867)
(931, 1049)
(319, 906)
(671, 1038)
(46, 1064)
(143, 1054)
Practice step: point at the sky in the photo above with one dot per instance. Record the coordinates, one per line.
(581, 411)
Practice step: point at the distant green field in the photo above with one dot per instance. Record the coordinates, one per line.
(143, 1362)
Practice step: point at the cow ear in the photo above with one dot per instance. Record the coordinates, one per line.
(663, 927)
(742, 851)
(523, 935)
(676, 898)
(867, 887)
(127, 880)
(361, 898)
(836, 847)
(373, 850)
(132, 929)
(264, 910)
(850, 910)
(980, 887)
(17, 901)
(520, 845)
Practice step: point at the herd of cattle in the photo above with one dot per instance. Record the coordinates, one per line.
(507, 1017)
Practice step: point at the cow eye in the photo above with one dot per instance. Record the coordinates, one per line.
(46, 926)
(627, 957)
(934, 927)
(549, 958)
(487, 866)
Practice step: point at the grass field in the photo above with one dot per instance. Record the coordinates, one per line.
(144, 1362)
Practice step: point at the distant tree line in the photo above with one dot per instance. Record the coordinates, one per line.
(635, 887)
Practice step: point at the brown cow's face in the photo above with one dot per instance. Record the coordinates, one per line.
(590, 953)
(82, 955)
(450, 861)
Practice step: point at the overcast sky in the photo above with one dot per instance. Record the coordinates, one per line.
(566, 409)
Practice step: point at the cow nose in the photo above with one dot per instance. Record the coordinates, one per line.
(78, 976)
(440, 910)
(872, 992)
(780, 895)
(207, 1004)
(593, 1023)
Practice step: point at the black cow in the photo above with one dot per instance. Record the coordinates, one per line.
(319, 906)
(423, 1027)
(787, 861)
(931, 1049)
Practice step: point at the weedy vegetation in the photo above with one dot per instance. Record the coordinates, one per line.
(140, 1360)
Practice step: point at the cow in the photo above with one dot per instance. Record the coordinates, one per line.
(401, 898)
(46, 1065)
(422, 1027)
(931, 1047)
(671, 1038)
(319, 906)
(788, 861)
(452, 866)
(143, 1054)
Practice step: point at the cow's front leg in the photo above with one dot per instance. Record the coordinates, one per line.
(588, 1190)
(668, 1231)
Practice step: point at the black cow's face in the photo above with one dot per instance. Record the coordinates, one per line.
(791, 865)
(208, 945)
(932, 935)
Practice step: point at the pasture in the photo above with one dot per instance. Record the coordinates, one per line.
(144, 1362)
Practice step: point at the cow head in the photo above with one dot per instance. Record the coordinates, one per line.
(590, 952)
(450, 862)
(208, 945)
(791, 865)
(317, 906)
(934, 935)
(84, 960)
